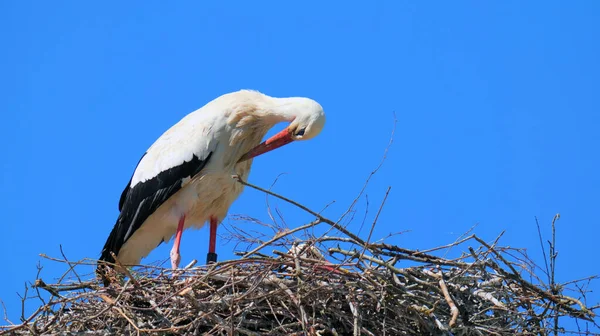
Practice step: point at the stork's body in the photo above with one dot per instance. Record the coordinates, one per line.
(185, 178)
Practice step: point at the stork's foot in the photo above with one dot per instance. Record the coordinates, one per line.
(211, 258)
(175, 259)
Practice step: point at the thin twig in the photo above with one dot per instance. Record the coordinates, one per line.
(321, 218)
(387, 192)
(383, 158)
(537, 223)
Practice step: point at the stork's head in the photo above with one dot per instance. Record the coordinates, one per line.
(306, 118)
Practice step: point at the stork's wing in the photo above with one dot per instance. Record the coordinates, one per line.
(126, 190)
(160, 173)
(142, 200)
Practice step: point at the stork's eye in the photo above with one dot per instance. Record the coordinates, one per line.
(300, 132)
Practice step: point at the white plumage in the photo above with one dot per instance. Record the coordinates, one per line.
(185, 178)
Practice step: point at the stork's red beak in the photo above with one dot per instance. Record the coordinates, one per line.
(282, 138)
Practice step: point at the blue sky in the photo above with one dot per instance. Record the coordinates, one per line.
(496, 103)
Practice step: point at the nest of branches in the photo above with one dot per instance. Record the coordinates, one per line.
(333, 284)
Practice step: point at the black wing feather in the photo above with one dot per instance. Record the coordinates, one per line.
(126, 190)
(138, 203)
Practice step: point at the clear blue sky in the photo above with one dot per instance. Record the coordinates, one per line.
(497, 104)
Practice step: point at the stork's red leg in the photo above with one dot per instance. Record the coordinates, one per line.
(211, 257)
(175, 256)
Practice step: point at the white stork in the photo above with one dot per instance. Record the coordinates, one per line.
(185, 178)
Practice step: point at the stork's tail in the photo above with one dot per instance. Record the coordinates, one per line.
(106, 263)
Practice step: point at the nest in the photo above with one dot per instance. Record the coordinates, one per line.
(299, 292)
(360, 288)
